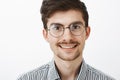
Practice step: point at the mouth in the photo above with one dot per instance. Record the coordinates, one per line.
(68, 46)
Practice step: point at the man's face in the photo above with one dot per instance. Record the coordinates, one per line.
(67, 47)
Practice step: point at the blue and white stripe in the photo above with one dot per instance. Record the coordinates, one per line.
(49, 72)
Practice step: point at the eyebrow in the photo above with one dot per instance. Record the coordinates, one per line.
(75, 22)
(56, 24)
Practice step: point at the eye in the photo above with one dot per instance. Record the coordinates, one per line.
(75, 27)
(57, 27)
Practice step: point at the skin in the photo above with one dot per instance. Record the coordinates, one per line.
(68, 48)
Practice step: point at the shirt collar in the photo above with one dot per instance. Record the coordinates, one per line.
(53, 73)
(82, 72)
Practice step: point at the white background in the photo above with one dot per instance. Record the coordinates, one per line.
(22, 47)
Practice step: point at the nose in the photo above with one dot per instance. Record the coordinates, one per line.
(67, 36)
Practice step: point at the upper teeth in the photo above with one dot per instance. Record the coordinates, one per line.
(67, 46)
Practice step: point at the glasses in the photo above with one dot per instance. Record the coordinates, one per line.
(57, 30)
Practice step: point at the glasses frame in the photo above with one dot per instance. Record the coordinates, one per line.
(69, 27)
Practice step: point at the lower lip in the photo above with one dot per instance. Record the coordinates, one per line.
(68, 49)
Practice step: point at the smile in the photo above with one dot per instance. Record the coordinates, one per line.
(68, 46)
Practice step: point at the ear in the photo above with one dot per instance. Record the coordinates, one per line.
(45, 34)
(87, 32)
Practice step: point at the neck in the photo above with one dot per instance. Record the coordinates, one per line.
(68, 70)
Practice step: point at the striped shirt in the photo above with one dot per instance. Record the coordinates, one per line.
(49, 72)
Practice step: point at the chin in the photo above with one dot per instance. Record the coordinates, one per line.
(69, 58)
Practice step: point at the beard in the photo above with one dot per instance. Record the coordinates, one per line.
(68, 55)
(69, 58)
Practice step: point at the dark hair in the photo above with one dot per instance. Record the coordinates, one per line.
(49, 7)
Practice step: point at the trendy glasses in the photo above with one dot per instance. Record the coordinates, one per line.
(57, 30)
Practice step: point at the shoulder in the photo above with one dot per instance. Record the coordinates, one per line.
(36, 74)
(99, 75)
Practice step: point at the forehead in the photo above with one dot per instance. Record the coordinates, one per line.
(66, 17)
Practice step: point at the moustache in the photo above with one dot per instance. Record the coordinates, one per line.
(70, 42)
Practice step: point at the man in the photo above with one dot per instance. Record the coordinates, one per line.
(66, 29)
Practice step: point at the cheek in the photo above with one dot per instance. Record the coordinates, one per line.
(53, 43)
(81, 38)
(52, 40)
(82, 44)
